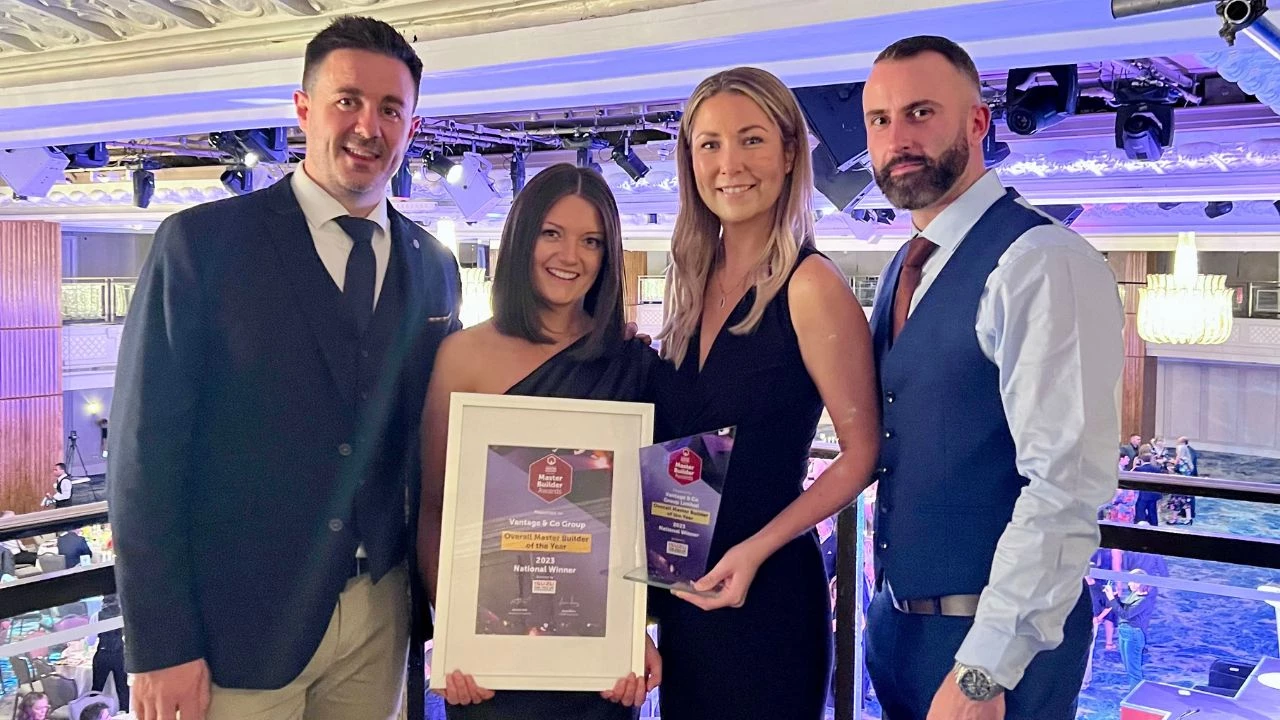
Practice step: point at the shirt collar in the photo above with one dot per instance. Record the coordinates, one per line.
(319, 207)
(952, 224)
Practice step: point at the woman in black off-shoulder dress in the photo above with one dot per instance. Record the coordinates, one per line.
(557, 331)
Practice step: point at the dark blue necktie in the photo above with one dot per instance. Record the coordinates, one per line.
(361, 272)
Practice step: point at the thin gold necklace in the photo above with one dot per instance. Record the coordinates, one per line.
(738, 285)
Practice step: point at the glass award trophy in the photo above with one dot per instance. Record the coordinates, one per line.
(681, 482)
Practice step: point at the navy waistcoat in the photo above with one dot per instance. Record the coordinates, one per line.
(948, 479)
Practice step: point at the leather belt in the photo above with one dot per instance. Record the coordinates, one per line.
(947, 605)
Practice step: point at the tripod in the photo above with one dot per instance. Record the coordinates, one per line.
(73, 446)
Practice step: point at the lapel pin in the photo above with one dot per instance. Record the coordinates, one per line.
(415, 245)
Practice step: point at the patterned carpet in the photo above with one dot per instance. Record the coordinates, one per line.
(1191, 630)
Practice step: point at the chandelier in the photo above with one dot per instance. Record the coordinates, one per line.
(1185, 308)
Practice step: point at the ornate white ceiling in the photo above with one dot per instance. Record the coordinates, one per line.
(34, 26)
(52, 35)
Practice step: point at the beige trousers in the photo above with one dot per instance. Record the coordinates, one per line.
(357, 673)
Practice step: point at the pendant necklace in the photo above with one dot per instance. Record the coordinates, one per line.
(737, 285)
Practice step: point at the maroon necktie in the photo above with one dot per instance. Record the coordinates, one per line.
(918, 251)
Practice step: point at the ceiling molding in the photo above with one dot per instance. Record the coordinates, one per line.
(107, 38)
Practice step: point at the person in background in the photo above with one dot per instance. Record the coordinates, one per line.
(32, 706)
(108, 658)
(1147, 509)
(1130, 449)
(267, 404)
(61, 495)
(1133, 607)
(1000, 329)
(72, 547)
(96, 711)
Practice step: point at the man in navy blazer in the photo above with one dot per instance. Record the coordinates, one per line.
(267, 409)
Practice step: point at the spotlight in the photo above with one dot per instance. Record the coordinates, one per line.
(144, 187)
(402, 181)
(250, 147)
(270, 144)
(1276, 205)
(1218, 208)
(883, 216)
(473, 193)
(445, 168)
(994, 152)
(631, 163)
(92, 155)
(517, 172)
(239, 180)
(1043, 106)
(1167, 205)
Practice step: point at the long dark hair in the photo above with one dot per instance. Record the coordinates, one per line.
(515, 300)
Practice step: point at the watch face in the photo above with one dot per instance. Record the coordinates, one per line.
(975, 684)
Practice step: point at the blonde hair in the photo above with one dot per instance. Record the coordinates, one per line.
(696, 240)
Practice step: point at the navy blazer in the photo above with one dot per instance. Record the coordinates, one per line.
(241, 457)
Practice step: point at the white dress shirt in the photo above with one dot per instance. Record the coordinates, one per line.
(332, 243)
(1050, 319)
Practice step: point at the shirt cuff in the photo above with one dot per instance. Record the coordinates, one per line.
(1005, 657)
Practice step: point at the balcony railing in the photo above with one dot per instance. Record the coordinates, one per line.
(96, 300)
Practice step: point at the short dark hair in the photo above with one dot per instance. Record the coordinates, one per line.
(907, 48)
(360, 33)
(515, 300)
(61, 466)
(94, 711)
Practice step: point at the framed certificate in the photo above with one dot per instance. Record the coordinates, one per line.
(541, 520)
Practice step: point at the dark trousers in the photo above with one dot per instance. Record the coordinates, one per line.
(908, 657)
(111, 663)
(1147, 508)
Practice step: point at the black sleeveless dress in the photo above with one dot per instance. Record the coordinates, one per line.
(770, 658)
(629, 373)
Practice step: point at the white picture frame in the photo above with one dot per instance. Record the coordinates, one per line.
(481, 638)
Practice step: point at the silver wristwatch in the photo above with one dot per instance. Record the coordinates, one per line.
(976, 683)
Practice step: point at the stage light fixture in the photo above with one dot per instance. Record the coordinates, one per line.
(517, 172)
(86, 156)
(840, 160)
(1218, 208)
(31, 172)
(444, 167)
(238, 180)
(1276, 205)
(1167, 205)
(883, 216)
(144, 187)
(630, 163)
(1036, 108)
(473, 194)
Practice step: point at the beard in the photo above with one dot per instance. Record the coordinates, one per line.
(930, 183)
